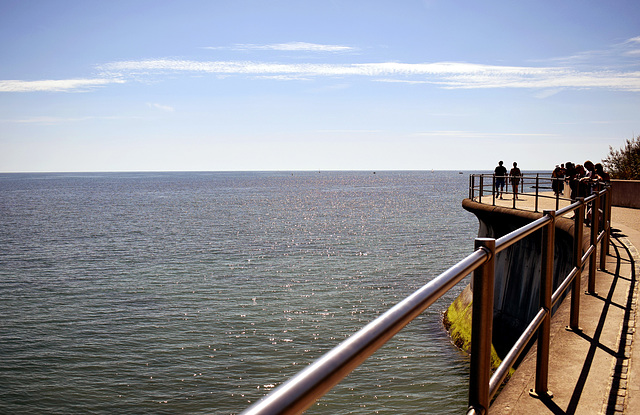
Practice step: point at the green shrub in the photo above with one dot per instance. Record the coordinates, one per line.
(624, 163)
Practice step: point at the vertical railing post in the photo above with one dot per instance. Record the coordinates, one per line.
(472, 188)
(546, 290)
(609, 202)
(605, 226)
(593, 260)
(481, 188)
(558, 184)
(482, 328)
(470, 195)
(537, 190)
(493, 190)
(513, 191)
(578, 232)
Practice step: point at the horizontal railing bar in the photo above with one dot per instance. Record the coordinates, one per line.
(520, 233)
(567, 209)
(299, 392)
(507, 363)
(587, 254)
(565, 284)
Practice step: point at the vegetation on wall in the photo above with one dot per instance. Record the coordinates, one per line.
(624, 163)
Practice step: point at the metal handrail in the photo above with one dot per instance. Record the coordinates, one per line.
(302, 390)
(299, 392)
(571, 278)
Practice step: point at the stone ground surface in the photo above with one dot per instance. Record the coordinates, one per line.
(597, 370)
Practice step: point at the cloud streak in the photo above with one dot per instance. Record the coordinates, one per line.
(615, 56)
(165, 108)
(445, 75)
(289, 47)
(449, 75)
(48, 120)
(477, 134)
(58, 85)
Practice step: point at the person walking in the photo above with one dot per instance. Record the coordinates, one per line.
(500, 174)
(515, 175)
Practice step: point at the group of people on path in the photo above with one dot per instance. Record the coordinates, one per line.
(502, 178)
(581, 178)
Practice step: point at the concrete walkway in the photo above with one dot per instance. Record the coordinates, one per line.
(597, 370)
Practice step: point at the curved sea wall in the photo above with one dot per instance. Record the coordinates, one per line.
(517, 274)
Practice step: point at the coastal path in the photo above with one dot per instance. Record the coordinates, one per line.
(595, 370)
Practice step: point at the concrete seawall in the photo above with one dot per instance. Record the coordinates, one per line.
(518, 269)
(626, 193)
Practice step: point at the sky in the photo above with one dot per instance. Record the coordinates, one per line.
(245, 85)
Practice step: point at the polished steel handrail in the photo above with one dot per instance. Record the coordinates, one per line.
(302, 390)
(299, 392)
(572, 279)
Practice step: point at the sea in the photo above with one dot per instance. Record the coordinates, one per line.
(200, 292)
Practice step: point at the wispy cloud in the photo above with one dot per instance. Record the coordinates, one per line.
(478, 134)
(450, 75)
(160, 107)
(348, 131)
(546, 93)
(58, 85)
(125, 68)
(289, 47)
(545, 79)
(632, 47)
(47, 120)
(622, 54)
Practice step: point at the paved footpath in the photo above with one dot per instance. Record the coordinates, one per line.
(597, 370)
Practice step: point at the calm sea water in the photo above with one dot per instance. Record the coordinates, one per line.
(200, 292)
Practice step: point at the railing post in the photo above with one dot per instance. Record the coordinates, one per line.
(605, 229)
(514, 191)
(481, 188)
(578, 232)
(537, 190)
(472, 188)
(546, 290)
(493, 190)
(482, 328)
(609, 203)
(593, 260)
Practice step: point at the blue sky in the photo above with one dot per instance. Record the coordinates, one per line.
(315, 85)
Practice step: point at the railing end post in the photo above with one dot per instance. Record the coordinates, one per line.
(482, 327)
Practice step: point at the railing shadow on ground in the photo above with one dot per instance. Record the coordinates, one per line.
(594, 342)
(622, 354)
(302, 390)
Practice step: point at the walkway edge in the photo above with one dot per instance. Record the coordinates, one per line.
(623, 373)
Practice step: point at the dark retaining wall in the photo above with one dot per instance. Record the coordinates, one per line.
(626, 193)
(518, 268)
